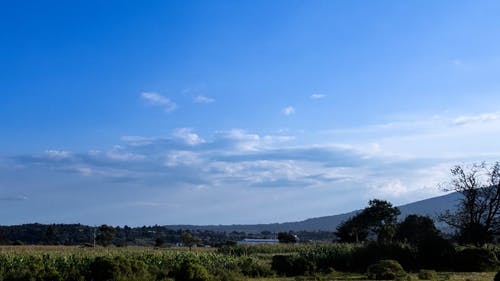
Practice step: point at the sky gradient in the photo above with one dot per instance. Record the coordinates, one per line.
(221, 112)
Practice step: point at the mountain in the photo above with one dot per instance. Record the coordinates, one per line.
(431, 207)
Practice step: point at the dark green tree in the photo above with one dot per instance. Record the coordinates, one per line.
(159, 242)
(353, 230)
(378, 219)
(105, 235)
(50, 235)
(476, 219)
(285, 237)
(414, 229)
(188, 240)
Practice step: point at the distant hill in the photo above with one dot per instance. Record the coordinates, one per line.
(430, 207)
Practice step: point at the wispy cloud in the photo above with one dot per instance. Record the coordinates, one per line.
(203, 99)
(119, 153)
(317, 96)
(182, 158)
(289, 110)
(137, 140)
(57, 154)
(402, 161)
(159, 100)
(479, 118)
(13, 198)
(188, 136)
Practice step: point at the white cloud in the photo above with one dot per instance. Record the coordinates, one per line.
(480, 118)
(317, 96)
(181, 158)
(137, 140)
(401, 161)
(203, 99)
(159, 100)
(57, 154)
(188, 136)
(244, 141)
(119, 153)
(86, 171)
(289, 110)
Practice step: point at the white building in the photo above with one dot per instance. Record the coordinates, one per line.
(250, 241)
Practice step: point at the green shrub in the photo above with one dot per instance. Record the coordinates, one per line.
(33, 268)
(228, 275)
(426, 274)
(192, 271)
(476, 260)
(254, 267)
(386, 270)
(374, 252)
(118, 269)
(497, 276)
(435, 252)
(291, 265)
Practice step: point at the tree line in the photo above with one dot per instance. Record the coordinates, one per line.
(475, 221)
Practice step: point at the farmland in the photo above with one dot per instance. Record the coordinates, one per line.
(259, 263)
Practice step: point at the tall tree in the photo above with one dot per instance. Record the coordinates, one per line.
(415, 229)
(378, 219)
(106, 235)
(353, 230)
(50, 235)
(476, 219)
(188, 239)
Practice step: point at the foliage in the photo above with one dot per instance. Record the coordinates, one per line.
(352, 230)
(188, 240)
(192, 271)
(291, 265)
(435, 252)
(414, 229)
(373, 252)
(118, 268)
(105, 235)
(386, 270)
(379, 219)
(477, 217)
(254, 267)
(497, 276)
(476, 260)
(426, 274)
(338, 256)
(285, 237)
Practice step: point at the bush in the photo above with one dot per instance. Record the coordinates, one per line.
(192, 271)
(476, 260)
(435, 252)
(228, 275)
(426, 274)
(254, 267)
(288, 265)
(118, 268)
(374, 252)
(386, 270)
(32, 269)
(497, 276)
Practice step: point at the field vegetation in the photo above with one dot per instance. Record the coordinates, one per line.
(266, 262)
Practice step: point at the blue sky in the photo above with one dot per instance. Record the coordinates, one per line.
(215, 112)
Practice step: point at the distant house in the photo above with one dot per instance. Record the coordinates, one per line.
(251, 241)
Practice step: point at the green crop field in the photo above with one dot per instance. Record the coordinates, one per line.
(319, 262)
